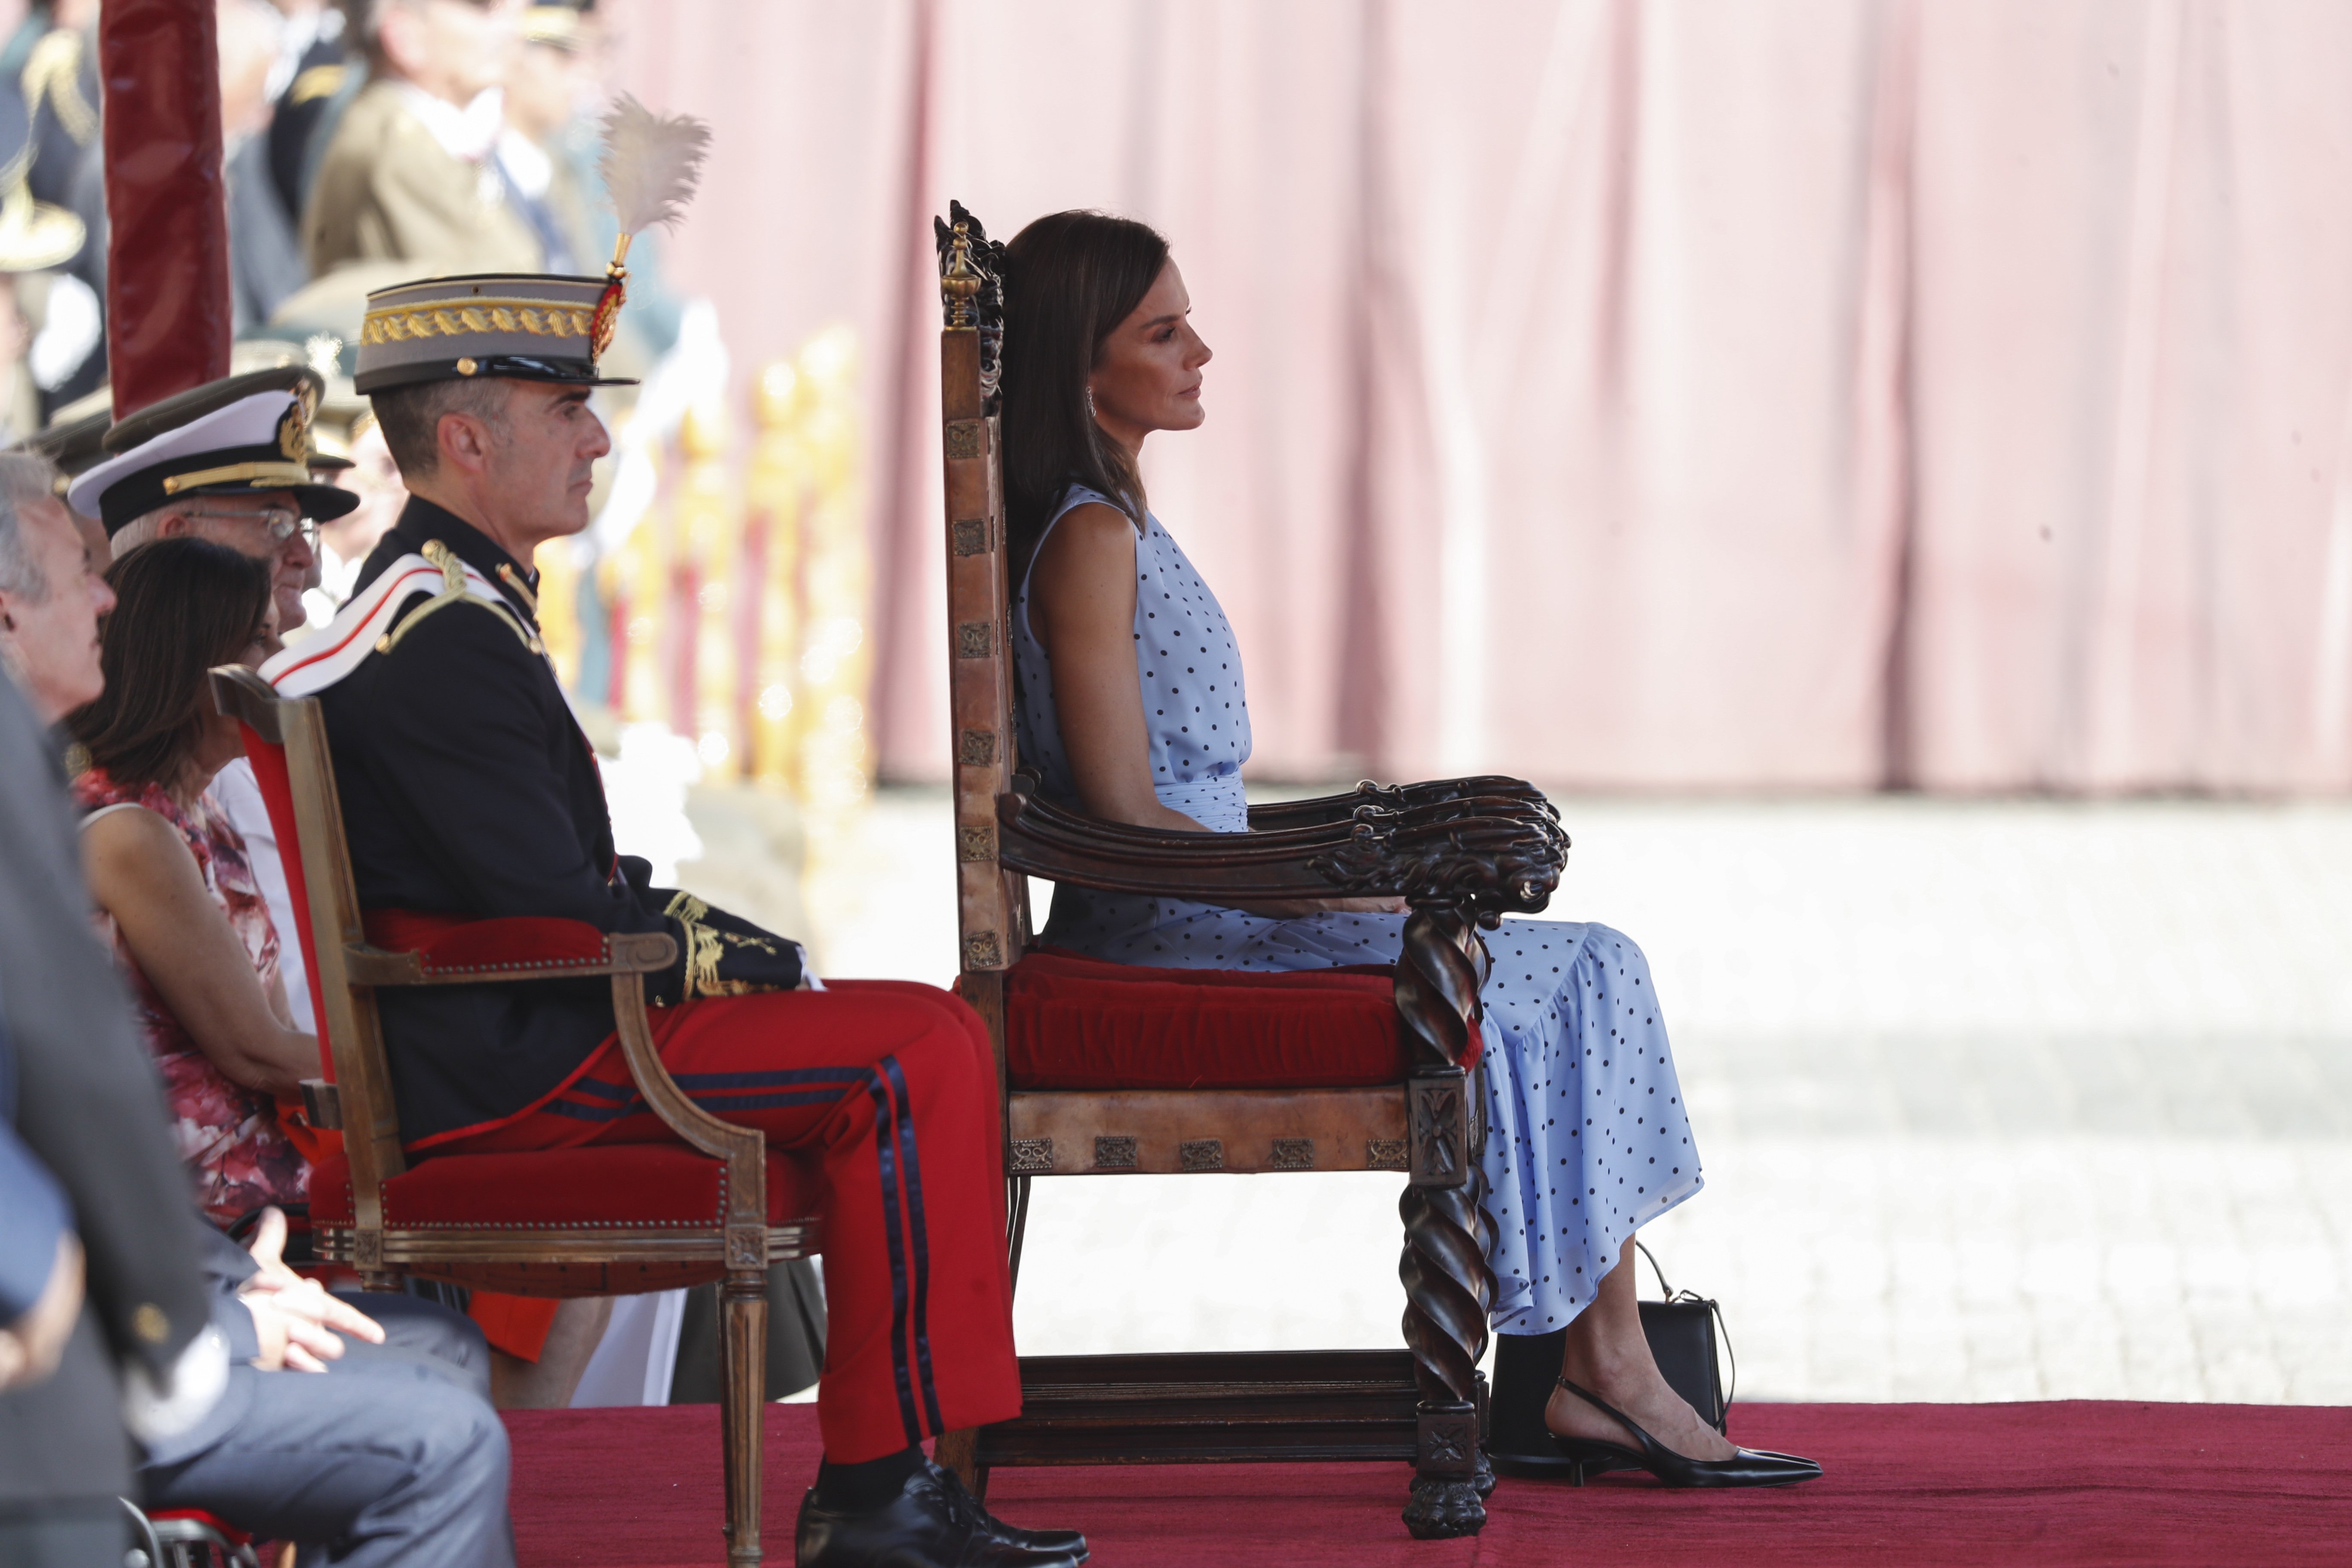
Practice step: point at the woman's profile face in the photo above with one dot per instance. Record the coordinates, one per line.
(1148, 376)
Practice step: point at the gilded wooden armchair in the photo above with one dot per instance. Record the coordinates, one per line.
(594, 1221)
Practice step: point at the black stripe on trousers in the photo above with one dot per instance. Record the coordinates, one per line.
(911, 1168)
(886, 1151)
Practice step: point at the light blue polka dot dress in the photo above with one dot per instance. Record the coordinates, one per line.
(1587, 1136)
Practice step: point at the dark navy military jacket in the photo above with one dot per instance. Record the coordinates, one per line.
(468, 789)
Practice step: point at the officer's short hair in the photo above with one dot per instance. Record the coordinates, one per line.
(25, 477)
(411, 416)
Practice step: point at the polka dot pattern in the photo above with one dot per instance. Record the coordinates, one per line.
(1189, 667)
(1587, 1137)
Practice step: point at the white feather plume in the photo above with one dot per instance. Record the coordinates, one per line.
(651, 163)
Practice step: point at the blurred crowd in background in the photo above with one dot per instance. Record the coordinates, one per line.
(712, 622)
(366, 142)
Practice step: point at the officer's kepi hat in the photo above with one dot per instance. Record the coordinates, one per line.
(236, 435)
(524, 326)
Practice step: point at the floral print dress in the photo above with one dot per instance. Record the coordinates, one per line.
(228, 1135)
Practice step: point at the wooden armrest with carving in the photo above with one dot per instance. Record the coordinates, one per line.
(1328, 809)
(1486, 856)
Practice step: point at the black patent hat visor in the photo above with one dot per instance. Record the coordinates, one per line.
(510, 367)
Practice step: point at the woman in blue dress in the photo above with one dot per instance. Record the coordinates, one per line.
(1133, 709)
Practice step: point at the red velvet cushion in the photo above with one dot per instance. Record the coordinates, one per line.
(454, 943)
(620, 1184)
(269, 762)
(1080, 1023)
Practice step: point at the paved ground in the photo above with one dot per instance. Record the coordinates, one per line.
(1997, 1101)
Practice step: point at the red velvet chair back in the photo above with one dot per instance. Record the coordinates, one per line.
(268, 760)
(287, 740)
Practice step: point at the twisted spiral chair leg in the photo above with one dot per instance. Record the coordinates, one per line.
(1448, 1287)
(1485, 1479)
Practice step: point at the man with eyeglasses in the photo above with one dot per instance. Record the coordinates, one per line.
(163, 480)
(232, 462)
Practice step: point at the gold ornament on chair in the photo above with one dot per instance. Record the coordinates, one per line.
(651, 165)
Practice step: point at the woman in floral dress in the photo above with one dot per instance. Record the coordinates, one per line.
(176, 895)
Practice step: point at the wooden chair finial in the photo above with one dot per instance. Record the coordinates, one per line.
(959, 281)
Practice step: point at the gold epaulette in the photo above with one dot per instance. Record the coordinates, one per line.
(454, 592)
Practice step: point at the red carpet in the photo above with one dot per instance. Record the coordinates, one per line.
(2059, 1483)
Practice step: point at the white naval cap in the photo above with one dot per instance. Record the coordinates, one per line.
(234, 436)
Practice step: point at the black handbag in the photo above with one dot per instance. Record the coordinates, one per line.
(1683, 1330)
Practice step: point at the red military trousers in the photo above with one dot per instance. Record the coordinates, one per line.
(891, 1087)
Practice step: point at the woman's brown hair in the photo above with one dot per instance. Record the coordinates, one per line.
(181, 606)
(1070, 278)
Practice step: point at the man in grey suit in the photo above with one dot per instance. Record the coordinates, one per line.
(393, 1454)
(82, 1081)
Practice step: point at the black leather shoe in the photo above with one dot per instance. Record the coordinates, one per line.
(1749, 1467)
(932, 1523)
(1067, 1541)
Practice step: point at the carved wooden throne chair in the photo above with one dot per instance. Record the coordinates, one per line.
(562, 1223)
(1114, 1069)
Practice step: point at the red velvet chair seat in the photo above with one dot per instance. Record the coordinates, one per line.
(1074, 1023)
(621, 1184)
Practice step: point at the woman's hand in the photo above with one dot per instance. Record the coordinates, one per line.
(142, 873)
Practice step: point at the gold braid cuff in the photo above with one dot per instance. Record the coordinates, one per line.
(706, 947)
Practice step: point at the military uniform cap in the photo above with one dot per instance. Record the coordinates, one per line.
(523, 326)
(236, 435)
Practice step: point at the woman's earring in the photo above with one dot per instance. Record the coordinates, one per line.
(1090, 401)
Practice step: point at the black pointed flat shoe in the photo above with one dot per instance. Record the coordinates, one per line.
(1749, 1467)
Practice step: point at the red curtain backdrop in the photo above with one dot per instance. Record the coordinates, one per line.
(1831, 393)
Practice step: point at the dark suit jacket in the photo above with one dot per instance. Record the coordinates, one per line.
(90, 1108)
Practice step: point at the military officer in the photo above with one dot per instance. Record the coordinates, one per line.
(468, 791)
